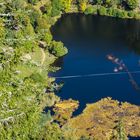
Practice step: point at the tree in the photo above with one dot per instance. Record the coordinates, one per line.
(119, 132)
(18, 4)
(91, 10)
(98, 2)
(33, 1)
(82, 4)
(132, 4)
(58, 49)
(48, 38)
(66, 5)
(56, 7)
(111, 3)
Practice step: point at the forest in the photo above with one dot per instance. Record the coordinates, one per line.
(30, 109)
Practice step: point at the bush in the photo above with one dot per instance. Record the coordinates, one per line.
(110, 12)
(131, 14)
(37, 77)
(56, 8)
(42, 25)
(117, 13)
(34, 15)
(82, 4)
(58, 49)
(102, 11)
(18, 4)
(112, 3)
(98, 2)
(48, 9)
(66, 5)
(33, 1)
(91, 10)
(137, 16)
(121, 13)
(48, 38)
(132, 4)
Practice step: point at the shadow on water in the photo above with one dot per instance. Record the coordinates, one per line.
(89, 39)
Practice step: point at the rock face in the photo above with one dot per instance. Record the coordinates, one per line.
(100, 120)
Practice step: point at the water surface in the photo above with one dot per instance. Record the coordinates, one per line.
(89, 39)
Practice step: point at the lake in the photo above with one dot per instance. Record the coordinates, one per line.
(89, 40)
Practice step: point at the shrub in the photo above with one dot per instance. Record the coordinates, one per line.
(34, 15)
(48, 38)
(112, 3)
(98, 2)
(56, 8)
(33, 1)
(82, 4)
(132, 4)
(110, 12)
(131, 14)
(137, 16)
(102, 11)
(117, 13)
(42, 25)
(66, 5)
(18, 4)
(37, 77)
(121, 13)
(48, 9)
(91, 10)
(58, 49)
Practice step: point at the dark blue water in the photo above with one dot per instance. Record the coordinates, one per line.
(89, 39)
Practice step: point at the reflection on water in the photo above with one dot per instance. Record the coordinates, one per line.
(89, 39)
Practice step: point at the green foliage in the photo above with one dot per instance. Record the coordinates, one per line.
(36, 77)
(111, 3)
(98, 2)
(48, 9)
(56, 7)
(132, 4)
(137, 16)
(20, 113)
(102, 11)
(120, 133)
(115, 8)
(18, 4)
(131, 14)
(24, 76)
(91, 10)
(33, 1)
(51, 132)
(121, 13)
(33, 15)
(23, 97)
(48, 38)
(42, 25)
(58, 49)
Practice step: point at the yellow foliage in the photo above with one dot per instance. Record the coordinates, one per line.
(66, 105)
(66, 5)
(82, 6)
(64, 110)
(100, 119)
